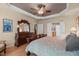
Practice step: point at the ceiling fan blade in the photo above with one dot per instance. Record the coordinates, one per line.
(38, 8)
(33, 9)
(41, 5)
(48, 11)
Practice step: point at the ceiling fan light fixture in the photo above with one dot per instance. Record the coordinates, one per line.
(41, 11)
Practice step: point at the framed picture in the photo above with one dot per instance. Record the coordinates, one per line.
(7, 25)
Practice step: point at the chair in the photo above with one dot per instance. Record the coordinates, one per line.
(2, 46)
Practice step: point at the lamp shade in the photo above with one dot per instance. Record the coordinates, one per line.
(73, 29)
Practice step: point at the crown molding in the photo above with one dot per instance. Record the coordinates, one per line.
(34, 16)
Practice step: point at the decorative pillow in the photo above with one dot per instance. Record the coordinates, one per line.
(72, 43)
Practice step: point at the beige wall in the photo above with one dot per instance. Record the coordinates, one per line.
(7, 12)
(68, 20)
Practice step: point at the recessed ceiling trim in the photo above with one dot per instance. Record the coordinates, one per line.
(34, 16)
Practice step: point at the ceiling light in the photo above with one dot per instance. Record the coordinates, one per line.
(41, 11)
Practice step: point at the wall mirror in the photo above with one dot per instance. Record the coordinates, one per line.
(23, 26)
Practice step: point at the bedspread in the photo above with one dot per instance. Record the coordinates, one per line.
(48, 46)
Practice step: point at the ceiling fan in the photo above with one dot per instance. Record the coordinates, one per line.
(40, 9)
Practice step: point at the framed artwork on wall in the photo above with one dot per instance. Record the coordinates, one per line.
(7, 25)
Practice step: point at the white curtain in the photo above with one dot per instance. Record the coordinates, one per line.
(39, 28)
(58, 30)
(49, 29)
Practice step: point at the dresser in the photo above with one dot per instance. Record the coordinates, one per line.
(23, 34)
(24, 37)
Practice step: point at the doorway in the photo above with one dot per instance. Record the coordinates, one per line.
(55, 29)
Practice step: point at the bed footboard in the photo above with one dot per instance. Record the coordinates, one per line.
(28, 53)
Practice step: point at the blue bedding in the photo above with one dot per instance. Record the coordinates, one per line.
(47, 47)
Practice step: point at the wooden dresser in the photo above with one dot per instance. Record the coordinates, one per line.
(24, 37)
(23, 34)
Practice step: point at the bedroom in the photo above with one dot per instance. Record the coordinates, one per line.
(64, 19)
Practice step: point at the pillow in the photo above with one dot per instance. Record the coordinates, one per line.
(76, 53)
(72, 43)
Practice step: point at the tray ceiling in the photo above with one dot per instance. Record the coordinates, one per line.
(54, 8)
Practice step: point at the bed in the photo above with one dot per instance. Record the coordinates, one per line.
(48, 46)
